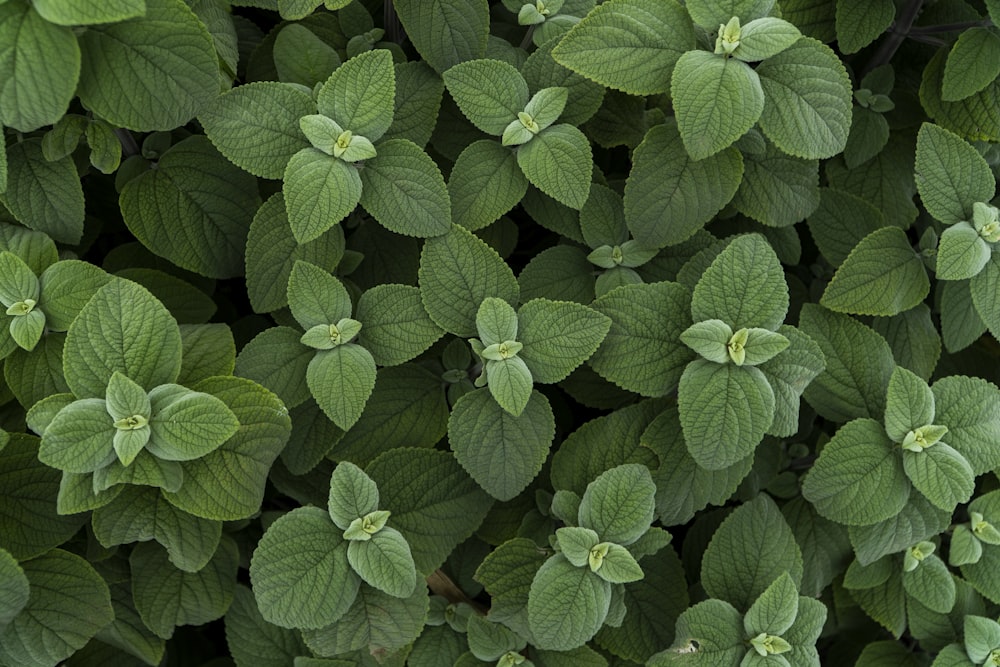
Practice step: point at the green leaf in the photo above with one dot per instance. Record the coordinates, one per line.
(187, 424)
(628, 45)
(969, 407)
(909, 404)
(951, 175)
(973, 63)
(618, 566)
(13, 589)
(918, 520)
(961, 253)
(35, 249)
(316, 297)
(709, 633)
(359, 94)
(719, 431)
(256, 125)
(716, 100)
(39, 65)
(510, 383)
(778, 190)
(973, 118)
(869, 135)
(941, 474)
(490, 93)
(353, 494)
(384, 562)
(405, 191)
(254, 641)
(131, 78)
(642, 351)
(496, 322)
(457, 272)
(46, 632)
(67, 286)
(982, 635)
(775, 610)
(558, 337)
(860, 22)
(575, 543)
(619, 504)
(144, 343)
(983, 286)
(446, 32)
(808, 100)
(961, 324)
(303, 58)
(566, 605)
(300, 573)
(320, 190)
(858, 366)
(485, 183)
(931, 584)
(79, 438)
(858, 478)
(765, 37)
(558, 162)
(276, 359)
(709, 339)
(45, 196)
(112, 11)
(105, 148)
(697, 189)
(825, 545)
(882, 276)
(752, 548)
(841, 222)
(139, 514)
(419, 92)
(502, 452)
(341, 380)
(166, 597)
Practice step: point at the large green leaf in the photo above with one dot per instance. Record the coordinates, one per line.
(716, 99)
(881, 276)
(396, 326)
(404, 190)
(490, 93)
(122, 328)
(976, 117)
(446, 32)
(951, 175)
(970, 408)
(566, 604)
(254, 641)
(941, 474)
(753, 547)
(39, 67)
(558, 161)
(359, 95)
(973, 63)
(277, 360)
(808, 100)
(709, 633)
(320, 190)
(642, 351)
(619, 504)
(502, 452)
(860, 22)
(133, 78)
(858, 479)
(47, 630)
(778, 190)
(558, 336)
(300, 574)
(629, 45)
(669, 196)
(45, 196)
(256, 125)
(485, 183)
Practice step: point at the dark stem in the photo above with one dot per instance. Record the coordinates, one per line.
(393, 28)
(927, 39)
(526, 42)
(129, 145)
(948, 27)
(441, 584)
(887, 49)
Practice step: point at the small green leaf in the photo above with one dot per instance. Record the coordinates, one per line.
(45, 196)
(951, 175)
(485, 183)
(941, 474)
(709, 338)
(619, 504)
(320, 190)
(405, 191)
(969, 408)
(778, 190)
(79, 438)
(510, 383)
(187, 424)
(973, 63)
(775, 610)
(558, 336)
(490, 93)
(359, 95)
(446, 32)
(860, 22)
(316, 297)
(765, 37)
(961, 253)
(982, 635)
(384, 562)
(575, 543)
(353, 494)
(909, 404)
(931, 584)
(566, 605)
(558, 161)
(301, 57)
(616, 565)
(982, 286)
(341, 380)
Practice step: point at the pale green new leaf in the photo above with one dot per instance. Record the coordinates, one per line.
(628, 45)
(744, 286)
(446, 32)
(502, 452)
(619, 504)
(709, 339)
(79, 438)
(808, 100)
(316, 297)
(882, 276)
(254, 641)
(39, 67)
(320, 190)
(489, 92)
(405, 191)
(575, 543)
(457, 272)
(300, 573)
(961, 253)
(642, 351)
(941, 474)
(909, 404)
(951, 175)
(89, 13)
(566, 605)
(132, 78)
(341, 380)
(858, 478)
(256, 125)
(765, 37)
(13, 588)
(384, 562)
(970, 408)
(47, 631)
(753, 547)
(973, 63)
(353, 494)
(558, 336)
(669, 196)
(558, 161)
(716, 100)
(359, 95)
(485, 183)
(187, 425)
(45, 196)
(860, 22)
(775, 610)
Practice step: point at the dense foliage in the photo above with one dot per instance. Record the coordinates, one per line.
(443, 333)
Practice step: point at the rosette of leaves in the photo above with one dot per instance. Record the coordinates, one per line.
(644, 47)
(548, 19)
(780, 628)
(980, 645)
(956, 186)
(38, 303)
(328, 150)
(554, 157)
(337, 354)
(867, 472)
(974, 545)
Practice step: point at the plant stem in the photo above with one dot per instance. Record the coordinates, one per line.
(526, 42)
(897, 34)
(129, 145)
(948, 27)
(441, 584)
(393, 28)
